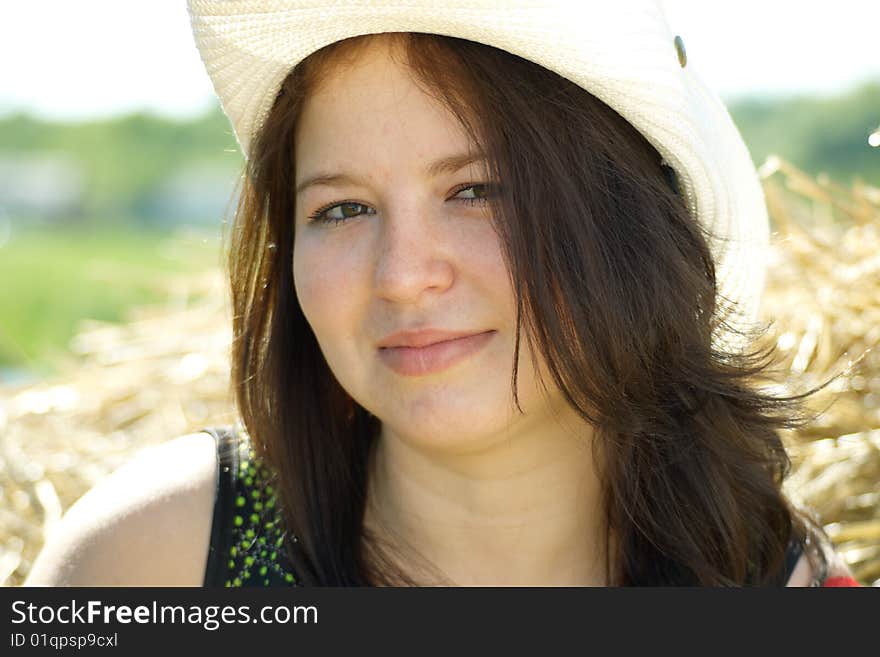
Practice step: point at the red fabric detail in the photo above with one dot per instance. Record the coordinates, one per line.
(840, 581)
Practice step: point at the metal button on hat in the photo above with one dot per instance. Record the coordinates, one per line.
(679, 48)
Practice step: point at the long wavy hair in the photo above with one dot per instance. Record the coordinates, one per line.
(616, 289)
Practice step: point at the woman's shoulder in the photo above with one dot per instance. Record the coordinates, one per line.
(146, 524)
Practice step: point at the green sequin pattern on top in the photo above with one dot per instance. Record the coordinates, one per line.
(256, 553)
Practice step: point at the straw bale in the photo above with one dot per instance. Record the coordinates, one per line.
(823, 304)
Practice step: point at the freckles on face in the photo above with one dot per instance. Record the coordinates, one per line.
(408, 244)
(394, 231)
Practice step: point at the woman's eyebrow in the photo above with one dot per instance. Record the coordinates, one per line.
(453, 163)
(446, 165)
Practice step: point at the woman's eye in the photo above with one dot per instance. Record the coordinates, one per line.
(476, 193)
(340, 212)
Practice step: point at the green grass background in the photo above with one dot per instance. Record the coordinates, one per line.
(51, 279)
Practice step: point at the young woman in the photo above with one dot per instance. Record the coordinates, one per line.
(489, 329)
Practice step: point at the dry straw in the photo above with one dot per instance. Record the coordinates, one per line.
(165, 373)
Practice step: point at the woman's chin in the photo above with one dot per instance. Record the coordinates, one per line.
(451, 432)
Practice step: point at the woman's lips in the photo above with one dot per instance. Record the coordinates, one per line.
(418, 361)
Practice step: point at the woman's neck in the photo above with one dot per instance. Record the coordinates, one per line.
(525, 512)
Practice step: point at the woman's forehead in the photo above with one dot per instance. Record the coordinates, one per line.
(372, 103)
(369, 50)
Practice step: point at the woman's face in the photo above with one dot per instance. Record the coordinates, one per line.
(415, 248)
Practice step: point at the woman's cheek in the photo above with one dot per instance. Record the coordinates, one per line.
(324, 279)
(307, 278)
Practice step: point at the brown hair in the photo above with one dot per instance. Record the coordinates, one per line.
(615, 286)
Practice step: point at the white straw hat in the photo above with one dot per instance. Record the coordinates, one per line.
(622, 52)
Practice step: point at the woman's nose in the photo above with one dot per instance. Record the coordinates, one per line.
(412, 258)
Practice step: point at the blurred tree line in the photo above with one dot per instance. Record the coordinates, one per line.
(818, 135)
(126, 163)
(140, 167)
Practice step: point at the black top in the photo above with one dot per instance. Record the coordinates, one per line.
(247, 533)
